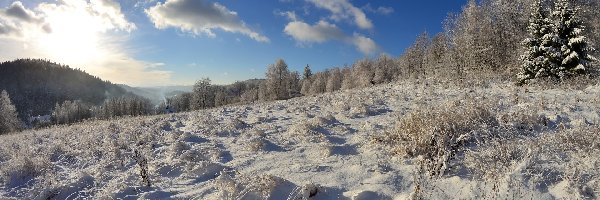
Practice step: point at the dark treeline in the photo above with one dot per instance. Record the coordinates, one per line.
(41, 88)
(35, 86)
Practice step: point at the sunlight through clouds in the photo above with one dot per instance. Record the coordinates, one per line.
(90, 35)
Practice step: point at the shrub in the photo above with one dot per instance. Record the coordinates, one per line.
(438, 135)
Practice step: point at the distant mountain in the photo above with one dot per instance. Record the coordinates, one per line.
(157, 94)
(35, 86)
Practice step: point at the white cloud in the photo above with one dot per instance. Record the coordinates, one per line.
(83, 34)
(323, 31)
(344, 10)
(17, 11)
(379, 10)
(15, 19)
(110, 12)
(199, 17)
(364, 44)
(290, 15)
(319, 33)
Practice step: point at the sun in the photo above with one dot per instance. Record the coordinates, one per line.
(74, 37)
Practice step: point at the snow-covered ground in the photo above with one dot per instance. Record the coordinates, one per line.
(320, 147)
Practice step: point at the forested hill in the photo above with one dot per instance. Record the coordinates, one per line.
(35, 86)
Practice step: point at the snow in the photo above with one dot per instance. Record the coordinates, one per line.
(316, 147)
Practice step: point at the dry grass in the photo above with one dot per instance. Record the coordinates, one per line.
(438, 135)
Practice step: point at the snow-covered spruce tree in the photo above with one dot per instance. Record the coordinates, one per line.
(537, 61)
(9, 120)
(557, 47)
(574, 51)
(307, 73)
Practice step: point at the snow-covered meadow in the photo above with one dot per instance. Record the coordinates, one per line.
(396, 141)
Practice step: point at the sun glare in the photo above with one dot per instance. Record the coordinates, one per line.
(75, 37)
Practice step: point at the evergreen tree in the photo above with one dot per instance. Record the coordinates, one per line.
(9, 120)
(539, 46)
(556, 47)
(574, 58)
(307, 73)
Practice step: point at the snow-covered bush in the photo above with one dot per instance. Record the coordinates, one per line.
(361, 110)
(438, 134)
(496, 159)
(22, 171)
(248, 187)
(540, 161)
(306, 131)
(256, 144)
(229, 128)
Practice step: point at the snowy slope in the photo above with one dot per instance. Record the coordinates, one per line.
(318, 147)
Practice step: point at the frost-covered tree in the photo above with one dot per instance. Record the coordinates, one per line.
(202, 95)
(306, 83)
(504, 27)
(590, 10)
(277, 81)
(263, 92)
(436, 56)
(334, 81)
(120, 106)
(70, 112)
(250, 96)
(574, 55)
(307, 73)
(363, 73)
(180, 103)
(464, 38)
(556, 47)
(319, 83)
(9, 120)
(412, 61)
(538, 45)
(221, 98)
(384, 69)
(348, 81)
(293, 84)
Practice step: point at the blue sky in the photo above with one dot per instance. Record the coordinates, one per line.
(173, 42)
